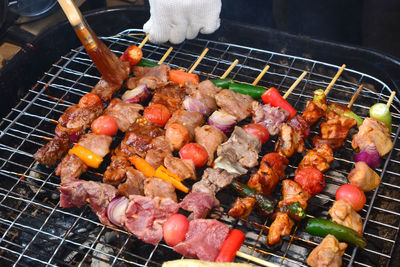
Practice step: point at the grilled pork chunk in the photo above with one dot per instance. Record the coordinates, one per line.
(160, 148)
(327, 254)
(213, 180)
(292, 192)
(313, 113)
(170, 96)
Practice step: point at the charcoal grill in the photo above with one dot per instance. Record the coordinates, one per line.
(35, 231)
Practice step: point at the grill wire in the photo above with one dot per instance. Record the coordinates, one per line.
(34, 230)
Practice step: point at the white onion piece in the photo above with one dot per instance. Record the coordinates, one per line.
(116, 210)
(223, 121)
(193, 104)
(137, 95)
(369, 155)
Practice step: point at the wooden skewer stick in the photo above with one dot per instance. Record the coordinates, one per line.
(334, 79)
(198, 60)
(144, 41)
(353, 99)
(165, 55)
(255, 259)
(289, 91)
(234, 63)
(266, 68)
(391, 98)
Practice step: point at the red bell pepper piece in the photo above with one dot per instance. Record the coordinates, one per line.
(230, 246)
(274, 98)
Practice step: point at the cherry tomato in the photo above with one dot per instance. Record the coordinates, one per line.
(311, 180)
(353, 195)
(89, 100)
(175, 229)
(132, 54)
(257, 130)
(105, 125)
(195, 152)
(157, 114)
(177, 135)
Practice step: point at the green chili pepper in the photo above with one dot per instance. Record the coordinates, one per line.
(247, 89)
(323, 227)
(266, 204)
(346, 112)
(146, 63)
(319, 96)
(223, 83)
(382, 113)
(294, 210)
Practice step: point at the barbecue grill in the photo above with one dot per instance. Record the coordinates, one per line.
(35, 231)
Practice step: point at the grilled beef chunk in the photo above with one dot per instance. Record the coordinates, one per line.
(184, 169)
(125, 114)
(188, 119)
(134, 183)
(327, 254)
(170, 96)
(236, 104)
(268, 116)
(213, 180)
(210, 138)
(342, 213)
(241, 147)
(318, 158)
(99, 144)
(199, 204)
(155, 187)
(242, 207)
(160, 148)
(364, 177)
(116, 172)
(281, 226)
(205, 92)
(78, 192)
(373, 133)
(153, 77)
(106, 90)
(70, 168)
(203, 239)
(53, 150)
(289, 142)
(145, 217)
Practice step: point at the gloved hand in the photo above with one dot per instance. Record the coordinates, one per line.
(175, 20)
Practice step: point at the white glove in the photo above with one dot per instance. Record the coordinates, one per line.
(175, 20)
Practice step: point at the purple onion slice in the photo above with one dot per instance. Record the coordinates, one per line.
(370, 156)
(193, 104)
(223, 121)
(137, 95)
(116, 210)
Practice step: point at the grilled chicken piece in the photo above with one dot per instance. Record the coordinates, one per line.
(373, 133)
(99, 144)
(238, 105)
(277, 162)
(153, 77)
(313, 113)
(205, 92)
(292, 192)
(242, 207)
(125, 114)
(160, 148)
(210, 137)
(155, 187)
(364, 177)
(264, 180)
(318, 158)
(268, 116)
(241, 147)
(116, 172)
(336, 126)
(134, 183)
(289, 142)
(327, 254)
(184, 169)
(342, 213)
(170, 96)
(213, 180)
(70, 168)
(281, 226)
(188, 119)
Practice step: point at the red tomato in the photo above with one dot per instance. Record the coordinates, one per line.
(311, 180)
(89, 100)
(195, 152)
(353, 195)
(105, 125)
(257, 130)
(132, 54)
(157, 114)
(175, 229)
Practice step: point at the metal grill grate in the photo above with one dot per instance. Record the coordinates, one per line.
(35, 230)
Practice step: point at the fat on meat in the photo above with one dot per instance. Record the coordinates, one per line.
(155, 187)
(145, 217)
(203, 239)
(99, 144)
(241, 147)
(210, 137)
(79, 192)
(199, 204)
(236, 104)
(125, 114)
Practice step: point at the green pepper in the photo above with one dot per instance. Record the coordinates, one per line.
(294, 210)
(382, 113)
(223, 83)
(323, 227)
(266, 204)
(319, 96)
(345, 112)
(146, 63)
(247, 89)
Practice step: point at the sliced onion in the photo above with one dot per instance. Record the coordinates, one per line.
(370, 156)
(116, 210)
(193, 104)
(137, 95)
(223, 121)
